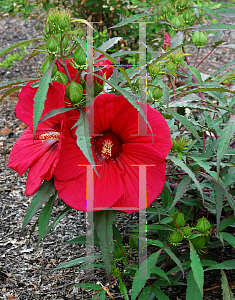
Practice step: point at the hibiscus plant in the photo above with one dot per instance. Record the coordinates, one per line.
(155, 140)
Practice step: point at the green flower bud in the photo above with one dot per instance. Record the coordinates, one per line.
(63, 25)
(64, 39)
(118, 252)
(175, 238)
(187, 16)
(79, 57)
(179, 219)
(157, 93)
(187, 231)
(178, 57)
(135, 243)
(46, 65)
(176, 21)
(199, 242)
(165, 9)
(182, 4)
(98, 88)
(171, 66)
(74, 92)
(48, 29)
(203, 225)
(199, 38)
(207, 238)
(53, 45)
(61, 77)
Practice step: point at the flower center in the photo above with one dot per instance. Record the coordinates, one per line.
(108, 146)
(49, 136)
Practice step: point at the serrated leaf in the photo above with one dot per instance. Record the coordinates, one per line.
(192, 292)
(10, 91)
(40, 96)
(117, 235)
(89, 286)
(141, 276)
(160, 273)
(196, 268)
(147, 293)
(132, 19)
(196, 73)
(82, 240)
(122, 288)
(42, 195)
(103, 224)
(55, 112)
(186, 123)
(128, 96)
(15, 82)
(102, 295)
(159, 294)
(96, 296)
(217, 26)
(81, 260)
(174, 258)
(227, 222)
(99, 265)
(226, 291)
(179, 163)
(226, 265)
(224, 141)
(177, 39)
(108, 44)
(83, 138)
(45, 216)
(219, 204)
(15, 45)
(208, 89)
(181, 189)
(229, 238)
(210, 11)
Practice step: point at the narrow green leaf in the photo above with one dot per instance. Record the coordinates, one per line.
(96, 296)
(117, 235)
(196, 268)
(55, 112)
(217, 26)
(40, 96)
(141, 276)
(10, 91)
(42, 195)
(89, 266)
(45, 216)
(206, 89)
(159, 294)
(15, 82)
(227, 222)
(89, 286)
(108, 44)
(196, 73)
(15, 45)
(181, 189)
(186, 123)
(219, 204)
(82, 240)
(77, 261)
(122, 288)
(132, 19)
(160, 273)
(179, 163)
(226, 291)
(226, 265)
(177, 39)
(147, 293)
(102, 295)
(229, 238)
(103, 224)
(83, 138)
(224, 141)
(174, 258)
(192, 292)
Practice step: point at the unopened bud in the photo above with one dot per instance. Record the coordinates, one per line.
(53, 45)
(182, 4)
(79, 57)
(187, 231)
(61, 77)
(46, 65)
(176, 21)
(199, 242)
(178, 57)
(165, 9)
(203, 225)
(118, 252)
(178, 219)
(157, 93)
(175, 238)
(171, 66)
(199, 38)
(74, 92)
(187, 16)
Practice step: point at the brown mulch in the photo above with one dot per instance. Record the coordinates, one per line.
(26, 272)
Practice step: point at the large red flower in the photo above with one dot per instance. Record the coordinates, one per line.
(118, 150)
(41, 154)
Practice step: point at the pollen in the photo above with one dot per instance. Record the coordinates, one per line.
(106, 151)
(49, 136)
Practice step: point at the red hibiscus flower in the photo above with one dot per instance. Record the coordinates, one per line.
(117, 152)
(41, 154)
(167, 41)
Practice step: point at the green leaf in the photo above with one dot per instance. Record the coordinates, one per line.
(219, 204)
(227, 222)
(226, 265)
(159, 294)
(123, 288)
(103, 224)
(229, 238)
(10, 91)
(132, 19)
(174, 258)
(108, 44)
(15, 82)
(179, 163)
(96, 296)
(177, 39)
(226, 291)
(40, 96)
(141, 276)
(224, 141)
(42, 195)
(196, 268)
(192, 292)
(186, 123)
(196, 73)
(181, 189)
(102, 295)
(147, 293)
(217, 26)
(212, 12)
(77, 261)
(55, 112)
(89, 266)
(208, 89)
(89, 286)
(83, 138)
(117, 235)
(13, 46)
(45, 216)
(160, 273)
(82, 240)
